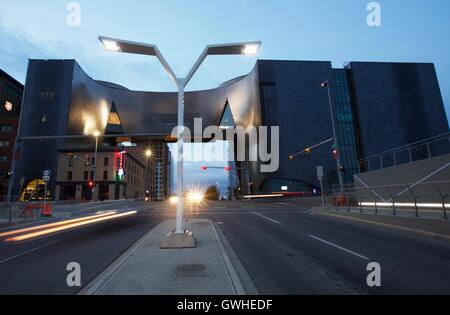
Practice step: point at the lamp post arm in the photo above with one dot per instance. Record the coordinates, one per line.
(166, 66)
(196, 66)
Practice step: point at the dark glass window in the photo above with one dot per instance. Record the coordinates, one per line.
(92, 175)
(4, 143)
(106, 161)
(3, 158)
(69, 175)
(86, 175)
(346, 123)
(105, 175)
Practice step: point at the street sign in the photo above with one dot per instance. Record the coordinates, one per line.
(46, 174)
(320, 173)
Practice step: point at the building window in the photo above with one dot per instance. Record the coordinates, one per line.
(105, 161)
(69, 175)
(47, 96)
(4, 143)
(5, 128)
(3, 158)
(71, 162)
(105, 175)
(92, 175)
(85, 175)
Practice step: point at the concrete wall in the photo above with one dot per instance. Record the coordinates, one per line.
(419, 175)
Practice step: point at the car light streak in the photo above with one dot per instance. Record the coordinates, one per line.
(68, 226)
(40, 227)
(263, 196)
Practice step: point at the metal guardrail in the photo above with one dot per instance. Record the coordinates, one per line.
(421, 150)
(427, 199)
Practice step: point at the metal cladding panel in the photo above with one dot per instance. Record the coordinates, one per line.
(155, 113)
(292, 97)
(44, 113)
(397, 103)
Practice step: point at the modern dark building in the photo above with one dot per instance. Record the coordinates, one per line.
(377, 107)
(10, 103)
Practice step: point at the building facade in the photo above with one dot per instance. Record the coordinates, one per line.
(376, 106)
(117, 175)
(10, 104)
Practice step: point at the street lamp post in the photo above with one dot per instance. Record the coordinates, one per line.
(96, 134)
(335, 138)
(148, 154)
(244, 48)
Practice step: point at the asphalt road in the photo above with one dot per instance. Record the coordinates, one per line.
(289, 250)
(38, 266)
(285, 249)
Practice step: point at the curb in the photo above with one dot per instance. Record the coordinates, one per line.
(102, 279)
(229, 256)
(95, 285)
(444, 236)
(234, 277)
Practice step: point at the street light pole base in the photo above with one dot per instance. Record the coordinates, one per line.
(178, 240)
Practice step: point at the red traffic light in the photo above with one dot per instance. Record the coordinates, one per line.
(335, 154)
(91, 184)
(204, 168)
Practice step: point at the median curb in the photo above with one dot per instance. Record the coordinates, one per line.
(146, 269)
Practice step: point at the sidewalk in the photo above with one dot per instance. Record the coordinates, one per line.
(427, 226)
(147, 270)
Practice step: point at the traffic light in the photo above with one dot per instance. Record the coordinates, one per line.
(342, 169)
(335, 153)
(91, 184)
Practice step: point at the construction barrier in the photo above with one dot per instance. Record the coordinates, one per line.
(31, 208)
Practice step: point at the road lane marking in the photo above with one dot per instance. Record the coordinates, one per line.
(339, 247)
(263, 216)
(27, 252)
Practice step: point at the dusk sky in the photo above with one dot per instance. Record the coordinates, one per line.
(334, 30)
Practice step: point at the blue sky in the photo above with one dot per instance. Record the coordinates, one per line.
(336, 30)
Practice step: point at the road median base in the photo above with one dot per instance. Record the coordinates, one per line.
(430, 227)
(146, 269)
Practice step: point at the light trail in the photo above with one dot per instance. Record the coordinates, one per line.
(68, 226)
(40, 227)
(263, 196)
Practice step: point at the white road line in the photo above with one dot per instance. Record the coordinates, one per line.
(263, 216)
(27, 252)
(339, 247)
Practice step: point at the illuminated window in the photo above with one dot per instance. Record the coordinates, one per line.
(8, 106)
(113, 119)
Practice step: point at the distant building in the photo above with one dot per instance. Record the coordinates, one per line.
(119, 175)
(10, 104)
